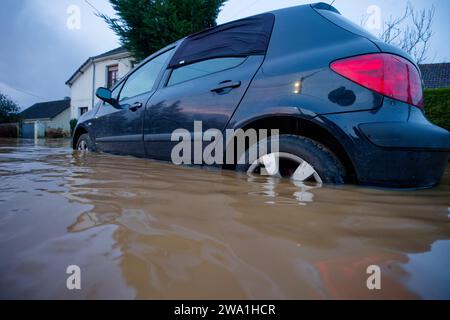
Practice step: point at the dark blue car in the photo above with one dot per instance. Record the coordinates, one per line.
(348, 107)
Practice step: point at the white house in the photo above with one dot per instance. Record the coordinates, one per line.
(103, 70)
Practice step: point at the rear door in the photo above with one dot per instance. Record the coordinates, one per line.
(205, 81)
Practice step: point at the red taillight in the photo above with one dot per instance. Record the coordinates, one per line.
(388, 74)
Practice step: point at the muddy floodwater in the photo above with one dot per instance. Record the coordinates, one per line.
(140, 229)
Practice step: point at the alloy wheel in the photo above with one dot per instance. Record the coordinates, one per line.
(282, 164)
(83, 146)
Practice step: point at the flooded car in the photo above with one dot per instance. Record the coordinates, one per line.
(348, 107)
(141, 229)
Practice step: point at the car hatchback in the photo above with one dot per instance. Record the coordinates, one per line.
(348, 107)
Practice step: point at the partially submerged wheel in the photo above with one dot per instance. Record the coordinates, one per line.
(82, 146)
(85, 143)
(297, 158)
(285, 165)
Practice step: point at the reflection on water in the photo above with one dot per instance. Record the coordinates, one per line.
(143, 229)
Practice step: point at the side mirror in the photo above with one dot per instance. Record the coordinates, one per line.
(105, 94)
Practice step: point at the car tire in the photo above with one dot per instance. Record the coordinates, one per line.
(85, 143)
(323, 161)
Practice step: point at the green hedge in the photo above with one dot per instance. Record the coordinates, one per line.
(73, 124)
(437, 106)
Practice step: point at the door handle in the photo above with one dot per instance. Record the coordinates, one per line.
(226, 85)
(135, 106)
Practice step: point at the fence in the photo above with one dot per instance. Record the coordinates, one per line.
(9, 130)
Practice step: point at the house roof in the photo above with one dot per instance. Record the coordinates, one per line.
(87, 63)
(45, 110)
(111, 53)
(436, 75)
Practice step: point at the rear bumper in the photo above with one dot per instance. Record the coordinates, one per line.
(412, 153)
(402, 168)
(407, 135)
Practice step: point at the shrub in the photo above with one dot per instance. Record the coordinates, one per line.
(73, 124)
(437, 106)
(54, 133)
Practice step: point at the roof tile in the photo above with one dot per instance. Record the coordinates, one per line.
(436, 75)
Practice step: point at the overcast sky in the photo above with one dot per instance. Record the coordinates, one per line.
(39, 51)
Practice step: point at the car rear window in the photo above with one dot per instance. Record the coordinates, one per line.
(345, 23)
(241, 38)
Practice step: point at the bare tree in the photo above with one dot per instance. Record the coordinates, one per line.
(412, 31)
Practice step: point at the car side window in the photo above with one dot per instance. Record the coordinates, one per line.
(203, 68)
(115, 93)
(144, 78)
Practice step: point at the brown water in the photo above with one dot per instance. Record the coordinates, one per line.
(143, 229)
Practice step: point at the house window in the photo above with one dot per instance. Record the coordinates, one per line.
(112, 76)
(83, 110)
